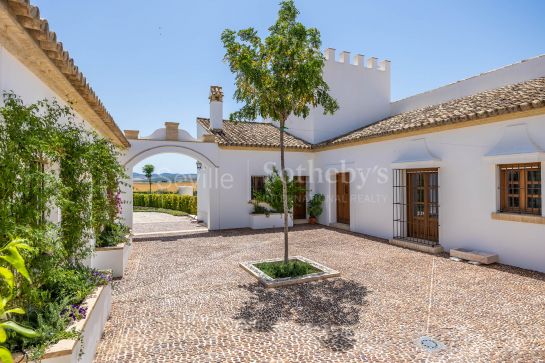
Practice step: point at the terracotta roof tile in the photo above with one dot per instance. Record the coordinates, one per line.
(253, 134)
(508, 99)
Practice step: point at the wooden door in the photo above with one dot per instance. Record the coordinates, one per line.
(423, 204)
(300, 202)
(343, 198)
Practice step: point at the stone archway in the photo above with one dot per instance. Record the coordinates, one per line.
(171, 139)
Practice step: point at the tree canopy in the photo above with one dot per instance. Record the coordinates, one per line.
(280, 75)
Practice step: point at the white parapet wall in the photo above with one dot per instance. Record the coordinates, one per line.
(273, 220)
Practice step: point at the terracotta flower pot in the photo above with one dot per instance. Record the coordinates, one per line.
(312, 220)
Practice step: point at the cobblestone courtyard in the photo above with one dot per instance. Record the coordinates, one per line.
(186, 299)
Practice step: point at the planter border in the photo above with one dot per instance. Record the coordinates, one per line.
(268, 282)
(120, 254)
(98, 302)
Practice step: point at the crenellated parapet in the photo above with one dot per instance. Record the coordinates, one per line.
(358, 60)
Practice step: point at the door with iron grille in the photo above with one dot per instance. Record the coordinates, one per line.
(423, 204)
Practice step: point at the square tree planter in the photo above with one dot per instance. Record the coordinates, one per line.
(99, 305)
(112, 258)
(267, 281)
(273, 220)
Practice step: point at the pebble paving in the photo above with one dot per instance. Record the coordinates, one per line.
(185, 299)
(153, 222)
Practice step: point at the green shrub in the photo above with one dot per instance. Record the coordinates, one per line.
(112, 235)
(160, 210)
(293, 268)
(183, 203)
(272, 194)
(315, 205)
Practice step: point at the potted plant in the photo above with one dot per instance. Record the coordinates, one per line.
(112, 248)
(315, 208)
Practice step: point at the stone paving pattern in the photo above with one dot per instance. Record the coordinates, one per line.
(151, 222)
(185, 299)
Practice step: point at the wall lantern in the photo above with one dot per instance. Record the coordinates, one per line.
(199, 166)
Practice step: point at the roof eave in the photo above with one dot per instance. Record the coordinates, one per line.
(28, 38)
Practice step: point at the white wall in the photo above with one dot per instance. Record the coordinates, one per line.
(511, 74)
(363, 95)
(15, 77)
(237, 167)
(467, 191)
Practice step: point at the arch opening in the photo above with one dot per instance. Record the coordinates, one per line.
(170, 178)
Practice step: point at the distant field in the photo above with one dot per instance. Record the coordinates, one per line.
(168, 187)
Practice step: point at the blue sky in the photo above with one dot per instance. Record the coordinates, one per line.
(153, 61)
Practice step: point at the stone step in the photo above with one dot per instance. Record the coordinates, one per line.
(485, 258)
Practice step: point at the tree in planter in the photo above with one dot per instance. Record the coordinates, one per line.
(278, 76)
(148, 172)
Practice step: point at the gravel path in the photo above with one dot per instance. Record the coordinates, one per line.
(185, 299)
(153, 222)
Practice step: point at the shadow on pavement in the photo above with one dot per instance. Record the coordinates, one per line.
(333, 306)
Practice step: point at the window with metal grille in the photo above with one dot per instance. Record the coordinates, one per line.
(520, 188)
(257, 185)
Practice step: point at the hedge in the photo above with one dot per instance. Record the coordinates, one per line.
(184, 203)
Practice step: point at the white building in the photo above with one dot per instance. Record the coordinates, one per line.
(458, 166)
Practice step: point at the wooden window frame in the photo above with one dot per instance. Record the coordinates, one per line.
(523, 183)
(254, 183)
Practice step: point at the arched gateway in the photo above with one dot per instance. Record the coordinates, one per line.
(171, 139)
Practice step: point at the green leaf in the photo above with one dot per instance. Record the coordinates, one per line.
(7, 275)
(18, 243)
(26, 332)
(5, 355)
(19, 311)
(15, 259)
(3, 335)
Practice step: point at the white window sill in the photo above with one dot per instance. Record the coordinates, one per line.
(514, 217)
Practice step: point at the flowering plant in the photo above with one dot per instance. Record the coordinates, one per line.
(75, 312)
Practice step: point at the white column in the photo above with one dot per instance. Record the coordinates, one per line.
(202, 194)
(126, 198)
(214, 207)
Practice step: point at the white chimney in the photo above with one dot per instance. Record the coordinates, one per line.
(216, 107)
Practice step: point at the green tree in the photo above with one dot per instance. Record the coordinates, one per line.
(278, 77)
(148, 171)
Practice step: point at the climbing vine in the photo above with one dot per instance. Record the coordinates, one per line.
(49, 161)
(51, 165)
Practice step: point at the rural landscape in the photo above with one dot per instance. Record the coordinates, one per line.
(164, 182)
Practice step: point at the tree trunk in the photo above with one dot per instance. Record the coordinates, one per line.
(284, 190)
(149, 181)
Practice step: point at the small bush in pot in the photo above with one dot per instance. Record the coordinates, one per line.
(315, 208)
(112, 235)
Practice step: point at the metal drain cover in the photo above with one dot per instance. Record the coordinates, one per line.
(430, 344)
